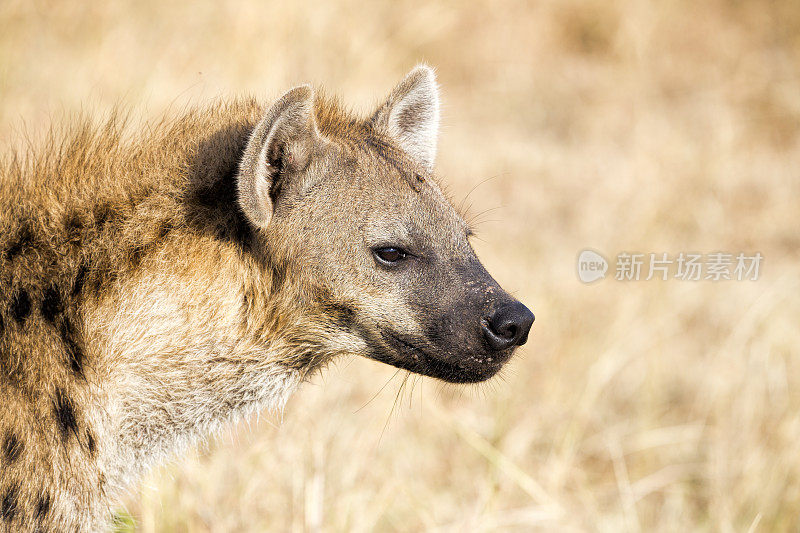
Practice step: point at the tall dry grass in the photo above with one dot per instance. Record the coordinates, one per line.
(621, 126)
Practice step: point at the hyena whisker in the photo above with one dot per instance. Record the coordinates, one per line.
(414, 382)
(475, 220)
(397, 400)
(401, 393)
(345, 362)
(488, 220)
(460, 208)
(379, 390)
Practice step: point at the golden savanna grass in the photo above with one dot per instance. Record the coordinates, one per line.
(618, 126)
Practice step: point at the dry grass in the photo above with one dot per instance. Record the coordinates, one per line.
(645, 126)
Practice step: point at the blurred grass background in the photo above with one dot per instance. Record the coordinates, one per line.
(622, 126)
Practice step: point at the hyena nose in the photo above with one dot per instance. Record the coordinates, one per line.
(508, 326)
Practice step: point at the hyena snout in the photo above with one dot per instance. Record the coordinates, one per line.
(473, 335)
(508, 326)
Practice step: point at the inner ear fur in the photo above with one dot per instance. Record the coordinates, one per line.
(411, 115)
(282, 142)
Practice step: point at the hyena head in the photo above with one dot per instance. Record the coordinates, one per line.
(350, 207)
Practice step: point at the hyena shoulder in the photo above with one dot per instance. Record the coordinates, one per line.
(78, 214)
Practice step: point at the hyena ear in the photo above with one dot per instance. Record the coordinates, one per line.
(411, 114)
(280, 144)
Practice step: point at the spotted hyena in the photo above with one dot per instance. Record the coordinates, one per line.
(159, 283)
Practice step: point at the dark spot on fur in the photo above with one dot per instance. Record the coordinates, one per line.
(75, 354)
(73, 226)
(342, 314)
(21, 243)
(101, 213)
(51, 303)
(80, 279)
(164, 227)
(20, 306)
(135, 255)
(91, 445)
(65, 414)
(42, 506)
(104, 213)
(102, 275)
(8, 507)
(96, 277)
(12, 448)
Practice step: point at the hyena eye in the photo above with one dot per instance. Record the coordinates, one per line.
(390, 255)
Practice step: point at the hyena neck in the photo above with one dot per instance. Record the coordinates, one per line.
(181, 355)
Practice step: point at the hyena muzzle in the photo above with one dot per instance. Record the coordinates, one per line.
(158, 285)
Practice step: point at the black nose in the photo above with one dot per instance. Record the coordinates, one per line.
(508, 326)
